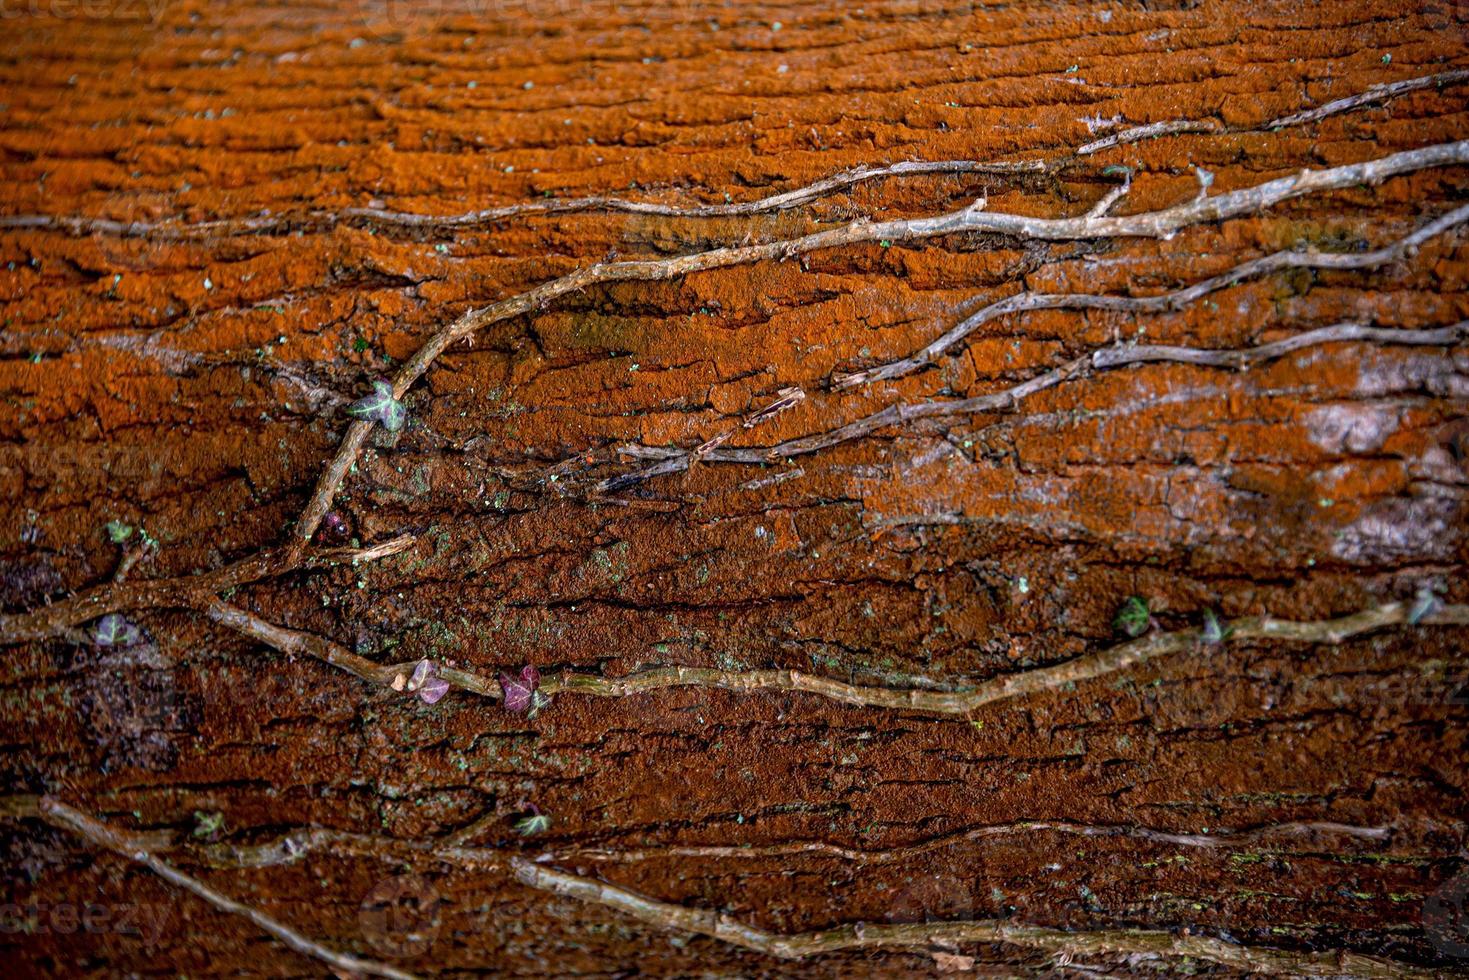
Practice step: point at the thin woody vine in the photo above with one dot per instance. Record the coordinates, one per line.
(103, 616)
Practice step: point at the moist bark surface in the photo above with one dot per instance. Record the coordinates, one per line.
(192, 384)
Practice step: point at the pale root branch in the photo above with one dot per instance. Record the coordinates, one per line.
(201, 591)
(453, 848)
(1151, 943)
(1019, 827)
(99, 834)
(387, 218)
(1177, 299)
(303, 644)
(1377, 93)
(672, 459)
(1155, 224)
(361, 556)
(191, 591)
(183, 591)
(1041, 680)
(537, 873)
(927, 699)
(288, 848)
(663, 915)
(1110, 198)
(1136, 133)
(297, 844)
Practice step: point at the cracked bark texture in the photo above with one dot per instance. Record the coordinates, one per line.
(195, 386)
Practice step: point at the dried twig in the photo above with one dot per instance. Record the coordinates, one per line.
(1139, 942)
(94, 831)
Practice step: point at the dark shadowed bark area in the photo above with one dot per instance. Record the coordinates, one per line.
(1120, 628)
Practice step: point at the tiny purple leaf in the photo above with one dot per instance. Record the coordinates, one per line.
(433, 689)
(421, 674)
(517, 695)
(115, 630)
(365, 408)
(334, 525)
(520, 691)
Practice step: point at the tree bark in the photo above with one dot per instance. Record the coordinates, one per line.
(818, 554)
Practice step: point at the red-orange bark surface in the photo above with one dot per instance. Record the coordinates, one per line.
(195, 387)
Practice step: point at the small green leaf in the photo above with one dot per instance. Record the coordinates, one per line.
(380, 407)
(1133, 617)
(1213, 632)
(115, 630)
(394, 415)
(536, 823)
(1424, 604)
(207, 824)
(118, 532)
